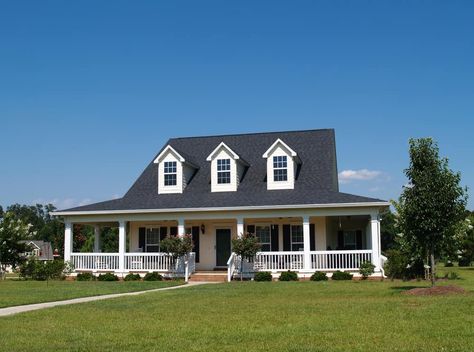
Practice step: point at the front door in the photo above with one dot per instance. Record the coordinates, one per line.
(222, 246)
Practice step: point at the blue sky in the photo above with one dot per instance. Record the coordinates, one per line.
(90, 91)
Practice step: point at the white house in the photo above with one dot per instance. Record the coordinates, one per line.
(282, 186)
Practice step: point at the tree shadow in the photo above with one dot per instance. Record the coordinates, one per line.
(405, 288)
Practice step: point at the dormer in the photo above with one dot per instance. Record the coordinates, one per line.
(281, 166)
(174, 171)
(227, 169)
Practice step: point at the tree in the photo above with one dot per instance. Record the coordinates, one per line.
(246, 247)
(388, 231)
(432, 204)
(12, 231)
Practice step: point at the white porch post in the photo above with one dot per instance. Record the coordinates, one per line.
(306, 244)
(67, 241)
(122, 245)
(181, 227)
(96, 238)
(240, 227)
(375, 239)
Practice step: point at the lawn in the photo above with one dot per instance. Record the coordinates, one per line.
(16, 292)
(276, 316)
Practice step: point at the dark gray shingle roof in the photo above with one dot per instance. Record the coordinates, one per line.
(316, 182)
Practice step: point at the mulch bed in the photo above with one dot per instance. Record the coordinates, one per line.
(435, 291)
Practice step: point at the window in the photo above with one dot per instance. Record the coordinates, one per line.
(170, 173)
(280, 171)
(350, 241)
(264, 237)
(297, 243)
(152, 239)
(223, 171)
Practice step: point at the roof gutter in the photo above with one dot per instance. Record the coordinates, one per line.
(212, 209)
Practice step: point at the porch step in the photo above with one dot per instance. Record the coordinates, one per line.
(210, 276)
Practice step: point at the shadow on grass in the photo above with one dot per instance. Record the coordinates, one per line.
(405, 288)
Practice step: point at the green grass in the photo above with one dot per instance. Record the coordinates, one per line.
(17, 292)
(253, 316)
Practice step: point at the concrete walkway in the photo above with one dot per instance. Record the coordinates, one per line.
(36, 306)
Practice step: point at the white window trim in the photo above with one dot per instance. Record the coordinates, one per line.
(227, 171)
(291, 238)
(269, 226)
(280, 168)
(158, 244)
(175, 173)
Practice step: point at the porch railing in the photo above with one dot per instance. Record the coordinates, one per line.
(95, 261)
(339, 260)
(149, 262)
(283, 261)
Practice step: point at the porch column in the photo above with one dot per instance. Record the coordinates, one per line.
(67, 241)
(96, 238)
(375, 239)
(122, 245)
(181, 227)
(306, 244)
(240, 227)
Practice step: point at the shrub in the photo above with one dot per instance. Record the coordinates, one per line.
(452, 276)
(132, 277)
(263, 276)
(399, 266)
(448, 264)
(153, 277)
(464, 261)
(341, 275)
(319, 276)
(288, 276)
(366, 269)
(108, 277)
(42, 270)
(85, 277)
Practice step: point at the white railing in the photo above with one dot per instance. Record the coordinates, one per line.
(231, 266)
(149, 262)
(278, 261)
(95, 261)
(339, 260)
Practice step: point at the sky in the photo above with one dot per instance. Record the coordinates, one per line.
(90, 91)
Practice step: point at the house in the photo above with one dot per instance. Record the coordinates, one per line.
(41, 250)
(282, 186)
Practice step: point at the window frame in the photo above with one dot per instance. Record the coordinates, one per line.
(350, 245)
(280, 168)
(269, 243)
(300, 244)
(223, 166)
(154, 244)
(168, 172)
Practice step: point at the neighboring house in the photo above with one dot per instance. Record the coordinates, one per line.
(282, 186)
(41, 250)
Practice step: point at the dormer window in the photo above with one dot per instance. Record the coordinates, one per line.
(174, 171)
(227, 169)
(280, 168)
(223, 171)
(170, 173)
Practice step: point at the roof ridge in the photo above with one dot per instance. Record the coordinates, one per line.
(252, 133)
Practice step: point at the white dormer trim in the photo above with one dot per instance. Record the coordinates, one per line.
(184, 170)
(165, 152)
(237, 167)
(290, 151)
(222, 145)
(281, 149)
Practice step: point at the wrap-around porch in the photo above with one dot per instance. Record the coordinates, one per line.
(300, 243)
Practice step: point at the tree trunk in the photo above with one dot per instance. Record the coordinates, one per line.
(433, 269)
